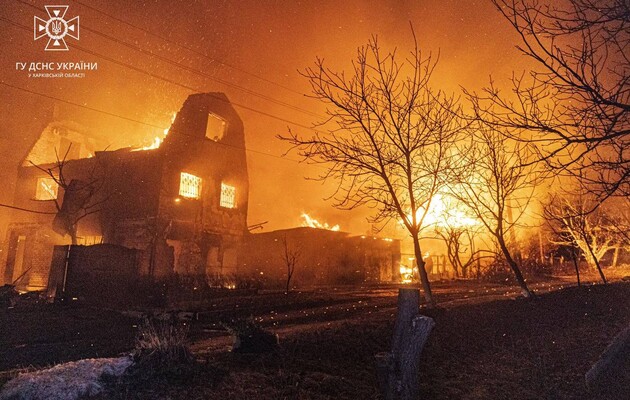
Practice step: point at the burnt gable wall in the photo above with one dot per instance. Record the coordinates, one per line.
(187, 148)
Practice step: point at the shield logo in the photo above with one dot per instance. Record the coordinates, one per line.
(56, 28)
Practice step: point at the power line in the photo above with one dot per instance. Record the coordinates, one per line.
(142, 71)
(26, 209)
(80, 105)
(140, 122)
(187, 68)
(187, 48)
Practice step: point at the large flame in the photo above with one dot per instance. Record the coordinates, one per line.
(444, 211)
(157, 141)
(311, 222)
(406, 274)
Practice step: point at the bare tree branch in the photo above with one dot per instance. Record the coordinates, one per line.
(389, 136)
(575, 107)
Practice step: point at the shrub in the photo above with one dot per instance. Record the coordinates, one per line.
(250, 337)
(498, 271)
(161, 346)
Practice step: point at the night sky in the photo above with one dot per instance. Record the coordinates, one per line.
(152, 54)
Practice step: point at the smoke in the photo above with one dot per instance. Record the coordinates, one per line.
(268, 39)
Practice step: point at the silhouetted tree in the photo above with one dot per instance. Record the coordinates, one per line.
(79, 195)
(457, 229)
(460, 242)
(391, 146)
(495, 183)
(575, 106)
(290, 256)
(580, 223)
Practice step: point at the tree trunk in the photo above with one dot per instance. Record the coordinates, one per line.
(424, 278)
(73, 235)
(615, 257)
(289, 276)
(517, 271)
(577, 266)
(398, 370)
(541, 248)
(478, 267)
(595, 261)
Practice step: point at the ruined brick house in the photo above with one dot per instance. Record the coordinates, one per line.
(182, 205)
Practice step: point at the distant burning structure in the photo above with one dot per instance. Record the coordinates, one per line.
(325, 256)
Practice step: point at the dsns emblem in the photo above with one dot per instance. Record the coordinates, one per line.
(56, 28)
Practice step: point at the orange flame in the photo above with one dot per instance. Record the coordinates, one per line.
(406, 274)
(311, 222)
(444, 212)
(157, 141)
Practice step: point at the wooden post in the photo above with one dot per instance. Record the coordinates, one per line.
(398, 370)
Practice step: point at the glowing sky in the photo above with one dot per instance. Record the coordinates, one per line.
(244, 41)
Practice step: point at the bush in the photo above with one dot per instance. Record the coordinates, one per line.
(498, 271)
(533, 267)
(162, 361)
(161, 346)
(250, 337)
(8, 296)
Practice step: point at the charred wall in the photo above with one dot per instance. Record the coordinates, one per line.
(138, 202)
(206, 140)
(324, 257)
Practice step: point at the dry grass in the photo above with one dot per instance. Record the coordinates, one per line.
(162, 344)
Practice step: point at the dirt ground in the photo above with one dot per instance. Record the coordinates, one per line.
(487, 343)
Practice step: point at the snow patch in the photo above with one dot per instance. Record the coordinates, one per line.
(67, 381)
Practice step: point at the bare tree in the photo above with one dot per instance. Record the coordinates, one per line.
(391, 146)
(564, 243)
(581, 225)
(575, 106)
(79, 196)
(290, 256)
(495, 183)
(460, 242)
(457, 228)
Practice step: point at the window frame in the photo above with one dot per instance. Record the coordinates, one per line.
(229, 200)
(224, 122)
(39, 189)
(184, 187)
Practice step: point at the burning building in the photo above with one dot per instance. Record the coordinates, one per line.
(182, 205)
(178, 206)
(322, 256)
